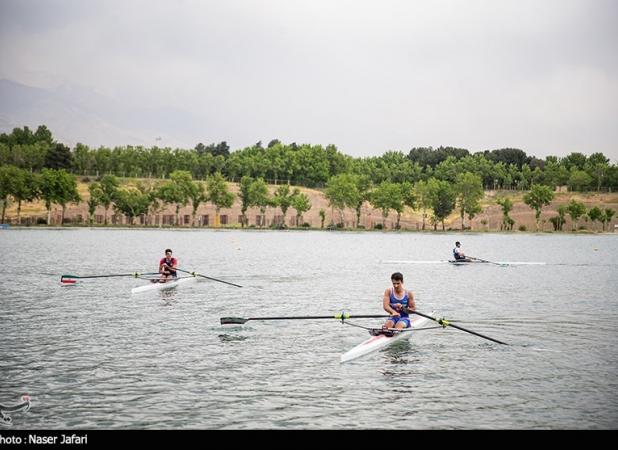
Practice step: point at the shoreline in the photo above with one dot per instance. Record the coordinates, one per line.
(298, 229)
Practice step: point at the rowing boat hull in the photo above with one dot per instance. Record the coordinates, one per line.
(375, 343)
(162, 286)
(460, 263)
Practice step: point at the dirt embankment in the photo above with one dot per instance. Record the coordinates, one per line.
(490, 219)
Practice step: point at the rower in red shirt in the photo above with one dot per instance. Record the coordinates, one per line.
(167, 266)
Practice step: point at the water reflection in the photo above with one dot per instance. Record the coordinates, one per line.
(231, 338)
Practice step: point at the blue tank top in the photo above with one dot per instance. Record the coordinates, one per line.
(403, 301)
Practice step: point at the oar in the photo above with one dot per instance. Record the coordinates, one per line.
(70, 278)
(485, 261)
(340, 316)
(446, 323)
(204, 276)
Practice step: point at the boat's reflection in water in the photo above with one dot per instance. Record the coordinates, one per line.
(169, 296)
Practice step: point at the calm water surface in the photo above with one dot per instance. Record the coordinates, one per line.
(96, 356)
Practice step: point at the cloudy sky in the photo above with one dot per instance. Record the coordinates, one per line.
(367, 76)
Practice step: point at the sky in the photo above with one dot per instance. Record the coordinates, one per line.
(367, 76)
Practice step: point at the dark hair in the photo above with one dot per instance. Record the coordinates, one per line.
(457, 243)
(168, 250)
(397, 276)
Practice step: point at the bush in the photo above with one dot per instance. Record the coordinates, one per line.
(378, 226)
(279, 226)
(41, 221)
(306, 225)
(522, 228)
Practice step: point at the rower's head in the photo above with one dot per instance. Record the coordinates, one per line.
(168, 252)
(397, 279)
(457, 244)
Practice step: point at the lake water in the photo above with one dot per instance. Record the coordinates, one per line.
(95, 356)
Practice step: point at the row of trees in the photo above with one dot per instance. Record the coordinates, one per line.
(56, 186)
(439, 196)
(343, 191)
(540, 196)
(310, 165)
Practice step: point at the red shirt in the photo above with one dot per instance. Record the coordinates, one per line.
(170, 263)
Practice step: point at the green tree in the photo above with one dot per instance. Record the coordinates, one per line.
(469, 191)
(7, 177)
(443, 198)
(595, 213)
(342, 191)
(538, 197)
(579, 180)
(363, 188)
(60, 187)
(83, 159)
(597, 167)
(67, 191)
(408, 196)
(197, 194)
(322, 217)
(559, 220)
(25, 189)
(259, 195)
(42, 134)
(507, 206)
(109, 186)
(245, 197)
(96, 195)
(59, 157)
(575, 209)
(387, 196)
(283, 198)
(219, 194)
(575, 160)
(132, 201)
(173, 194)
(187, 189)
(608, 213)
(423, 198)
(301, 204)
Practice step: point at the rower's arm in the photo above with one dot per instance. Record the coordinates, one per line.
(386, 303)
(411, 303)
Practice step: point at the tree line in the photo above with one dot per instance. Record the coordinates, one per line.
(309, 165)
(140, 198)
(34, 166)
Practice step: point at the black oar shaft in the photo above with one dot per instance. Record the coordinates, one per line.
(446, 323)
(134, 274)
(209, 278)
(337, 316)
(340, 316)
(477, 334)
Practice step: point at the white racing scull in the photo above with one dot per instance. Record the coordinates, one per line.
(375, 343)
(158, 286)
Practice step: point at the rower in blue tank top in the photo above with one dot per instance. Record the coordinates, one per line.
(395, 299)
